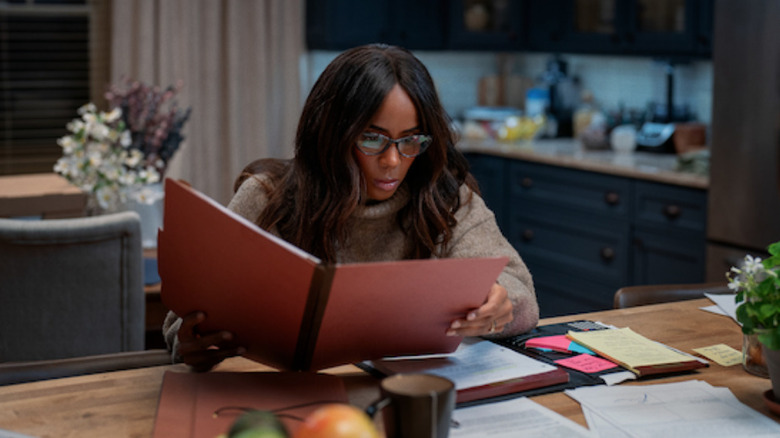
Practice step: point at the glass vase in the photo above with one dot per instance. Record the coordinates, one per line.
(752, 356)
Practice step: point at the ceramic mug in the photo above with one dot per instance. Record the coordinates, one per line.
(415, 405)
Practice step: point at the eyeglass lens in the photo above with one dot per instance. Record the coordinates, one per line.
(371, 143)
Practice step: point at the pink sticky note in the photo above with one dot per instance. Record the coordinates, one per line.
(586, 363)
(557, 343)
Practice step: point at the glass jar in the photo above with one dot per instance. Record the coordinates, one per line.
(752, 357)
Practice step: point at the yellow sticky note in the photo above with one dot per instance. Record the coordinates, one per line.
(721, 354)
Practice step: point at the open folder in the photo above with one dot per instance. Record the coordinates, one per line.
(293, 312)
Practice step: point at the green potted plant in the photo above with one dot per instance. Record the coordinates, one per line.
(757, 285)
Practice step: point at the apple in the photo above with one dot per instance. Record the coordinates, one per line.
(337, 420)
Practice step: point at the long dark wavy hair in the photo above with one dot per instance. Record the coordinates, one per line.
(318, 191)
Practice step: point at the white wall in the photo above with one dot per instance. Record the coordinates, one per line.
(631, 81)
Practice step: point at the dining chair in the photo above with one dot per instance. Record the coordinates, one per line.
(631, 296)
(12, 373)
(71, 287)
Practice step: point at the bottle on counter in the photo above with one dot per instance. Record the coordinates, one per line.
(583, 115)
(590, 124)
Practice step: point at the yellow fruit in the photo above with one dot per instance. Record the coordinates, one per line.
(257, 424)
(337, 421)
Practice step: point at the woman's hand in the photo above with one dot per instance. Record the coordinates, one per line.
(489, 318)
(203, 351)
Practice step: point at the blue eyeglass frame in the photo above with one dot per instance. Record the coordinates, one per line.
(427, 139)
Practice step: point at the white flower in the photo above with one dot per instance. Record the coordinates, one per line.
(151, 175)
(113, 115)
(99, 131)
(752, 265)
(125, 139)
(134, 158)
(75, 126)
(87, 108)
(107, 196)
(68, 144)
(62, 166)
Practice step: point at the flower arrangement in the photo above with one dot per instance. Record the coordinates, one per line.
(757, 287)
(153, 117)
(97, 157)
(116, 155)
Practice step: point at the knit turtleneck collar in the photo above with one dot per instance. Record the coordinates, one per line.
(384, 208)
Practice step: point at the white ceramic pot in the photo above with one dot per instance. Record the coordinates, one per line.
(151, 213)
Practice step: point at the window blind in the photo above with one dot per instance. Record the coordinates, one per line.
(44, 79)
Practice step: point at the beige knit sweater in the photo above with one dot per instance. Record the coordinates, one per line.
(376, 236)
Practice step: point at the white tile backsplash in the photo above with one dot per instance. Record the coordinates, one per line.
(630, 81)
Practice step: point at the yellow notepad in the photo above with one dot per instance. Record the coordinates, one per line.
(634, 351)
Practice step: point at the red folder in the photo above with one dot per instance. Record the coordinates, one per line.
(197, 405)
(293, 312)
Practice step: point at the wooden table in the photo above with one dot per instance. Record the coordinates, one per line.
(123, 404)
(43, 195)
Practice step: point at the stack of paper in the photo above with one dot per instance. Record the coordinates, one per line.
(511, 419)
(480, 369)
(687, 409)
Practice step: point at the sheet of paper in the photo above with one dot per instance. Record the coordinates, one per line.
(478, 362)
(628, 347)
(617, 377)
(722, 354)
(586, 363)
(511, 419)
(689, 409)
(726, 303)
(9, 434)
(714, 309)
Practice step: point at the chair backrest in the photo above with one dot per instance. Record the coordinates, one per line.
(71, 287)
(631, 296)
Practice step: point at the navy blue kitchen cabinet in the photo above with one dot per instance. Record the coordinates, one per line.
(585, 234)
(488, 25)
(669, 234)
(342, 24)
(490, 174)
(659, 28)
(667, 28)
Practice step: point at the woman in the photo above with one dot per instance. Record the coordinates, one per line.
(376, 176)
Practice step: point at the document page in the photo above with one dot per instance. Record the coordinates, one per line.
(689, 409)
(725, 304)
(477, 362)
(483, 362)
(520, 417)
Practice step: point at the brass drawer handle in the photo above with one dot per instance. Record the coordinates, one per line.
(672, 211)
(612, 198)
(528, 234)
(527, 182)
(607, 253)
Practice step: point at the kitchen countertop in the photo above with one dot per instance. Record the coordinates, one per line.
(567, 152)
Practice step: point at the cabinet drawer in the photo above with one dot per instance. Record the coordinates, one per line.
(668, 258)
(574, 190)
(670, 207)
(586, 248)
(490, 175)
(559, 293)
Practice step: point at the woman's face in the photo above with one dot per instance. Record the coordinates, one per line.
(384, 173)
